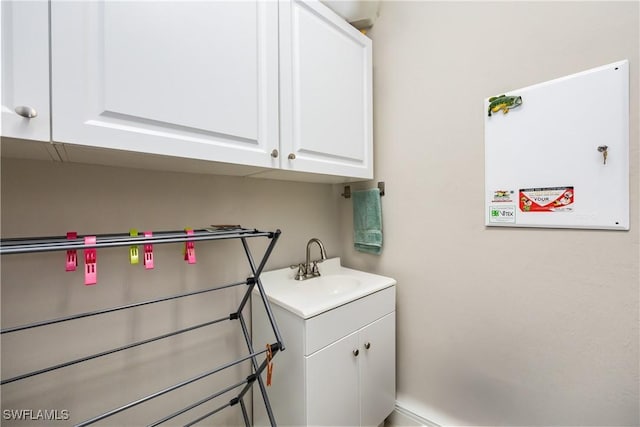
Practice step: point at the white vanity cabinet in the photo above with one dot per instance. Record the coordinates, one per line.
(338, 367)
(184, 79)
(352, 381)
(25, 78)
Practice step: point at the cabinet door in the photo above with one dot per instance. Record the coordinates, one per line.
(332, 384)
(193, 79)
(25, 68)
(378, 370)
(325, 92)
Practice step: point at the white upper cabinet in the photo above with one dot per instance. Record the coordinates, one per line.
(274, 89)
(194, 79)
(325, 92)
(25, 70)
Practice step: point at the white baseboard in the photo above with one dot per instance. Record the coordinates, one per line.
(403, 417)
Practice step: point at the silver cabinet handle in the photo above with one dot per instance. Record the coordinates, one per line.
(367, 345)
(274, 153)
(26, 112)
(356, 352)
(291, 156)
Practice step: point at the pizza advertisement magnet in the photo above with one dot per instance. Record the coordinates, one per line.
(551, 199)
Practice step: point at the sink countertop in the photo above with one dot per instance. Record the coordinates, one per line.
(336, 286)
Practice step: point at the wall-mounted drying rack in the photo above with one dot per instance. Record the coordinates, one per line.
(347, 190)
(62, 243)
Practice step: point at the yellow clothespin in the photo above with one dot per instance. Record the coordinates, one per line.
(133, 250)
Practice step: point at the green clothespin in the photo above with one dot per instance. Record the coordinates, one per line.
(133, 250)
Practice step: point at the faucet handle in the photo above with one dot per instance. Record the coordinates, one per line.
(314, 269)
(302, 271)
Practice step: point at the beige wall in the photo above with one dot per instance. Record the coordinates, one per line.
(497, 326)
(43, 198)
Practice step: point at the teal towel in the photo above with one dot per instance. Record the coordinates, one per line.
(367, 221)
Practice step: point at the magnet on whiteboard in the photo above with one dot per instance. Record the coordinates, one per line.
(603, 149)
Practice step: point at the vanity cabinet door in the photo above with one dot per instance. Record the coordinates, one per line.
(325, 92)
(353, 381)
(25, 69)
(378, 370)
(192, 79)
(332, 384)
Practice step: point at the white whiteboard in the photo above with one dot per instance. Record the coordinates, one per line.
(548, 147)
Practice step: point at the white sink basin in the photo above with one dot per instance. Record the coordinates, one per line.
(335, 286)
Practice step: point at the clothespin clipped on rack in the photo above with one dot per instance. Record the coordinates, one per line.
(72, 254)
(133, 250)
(269, 364)
(90, 262)
(148, 252)
(189, 248)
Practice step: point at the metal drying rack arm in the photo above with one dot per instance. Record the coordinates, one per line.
(62, 243)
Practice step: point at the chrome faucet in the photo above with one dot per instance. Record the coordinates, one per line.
(307, 270)
(313, 271)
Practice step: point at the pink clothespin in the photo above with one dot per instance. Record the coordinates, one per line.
(90, 262)
(72, 254)
(189, 248)
(148, 252)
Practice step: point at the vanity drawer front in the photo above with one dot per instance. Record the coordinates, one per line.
(332, 325)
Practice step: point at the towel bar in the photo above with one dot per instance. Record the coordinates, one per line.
(347, 190)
